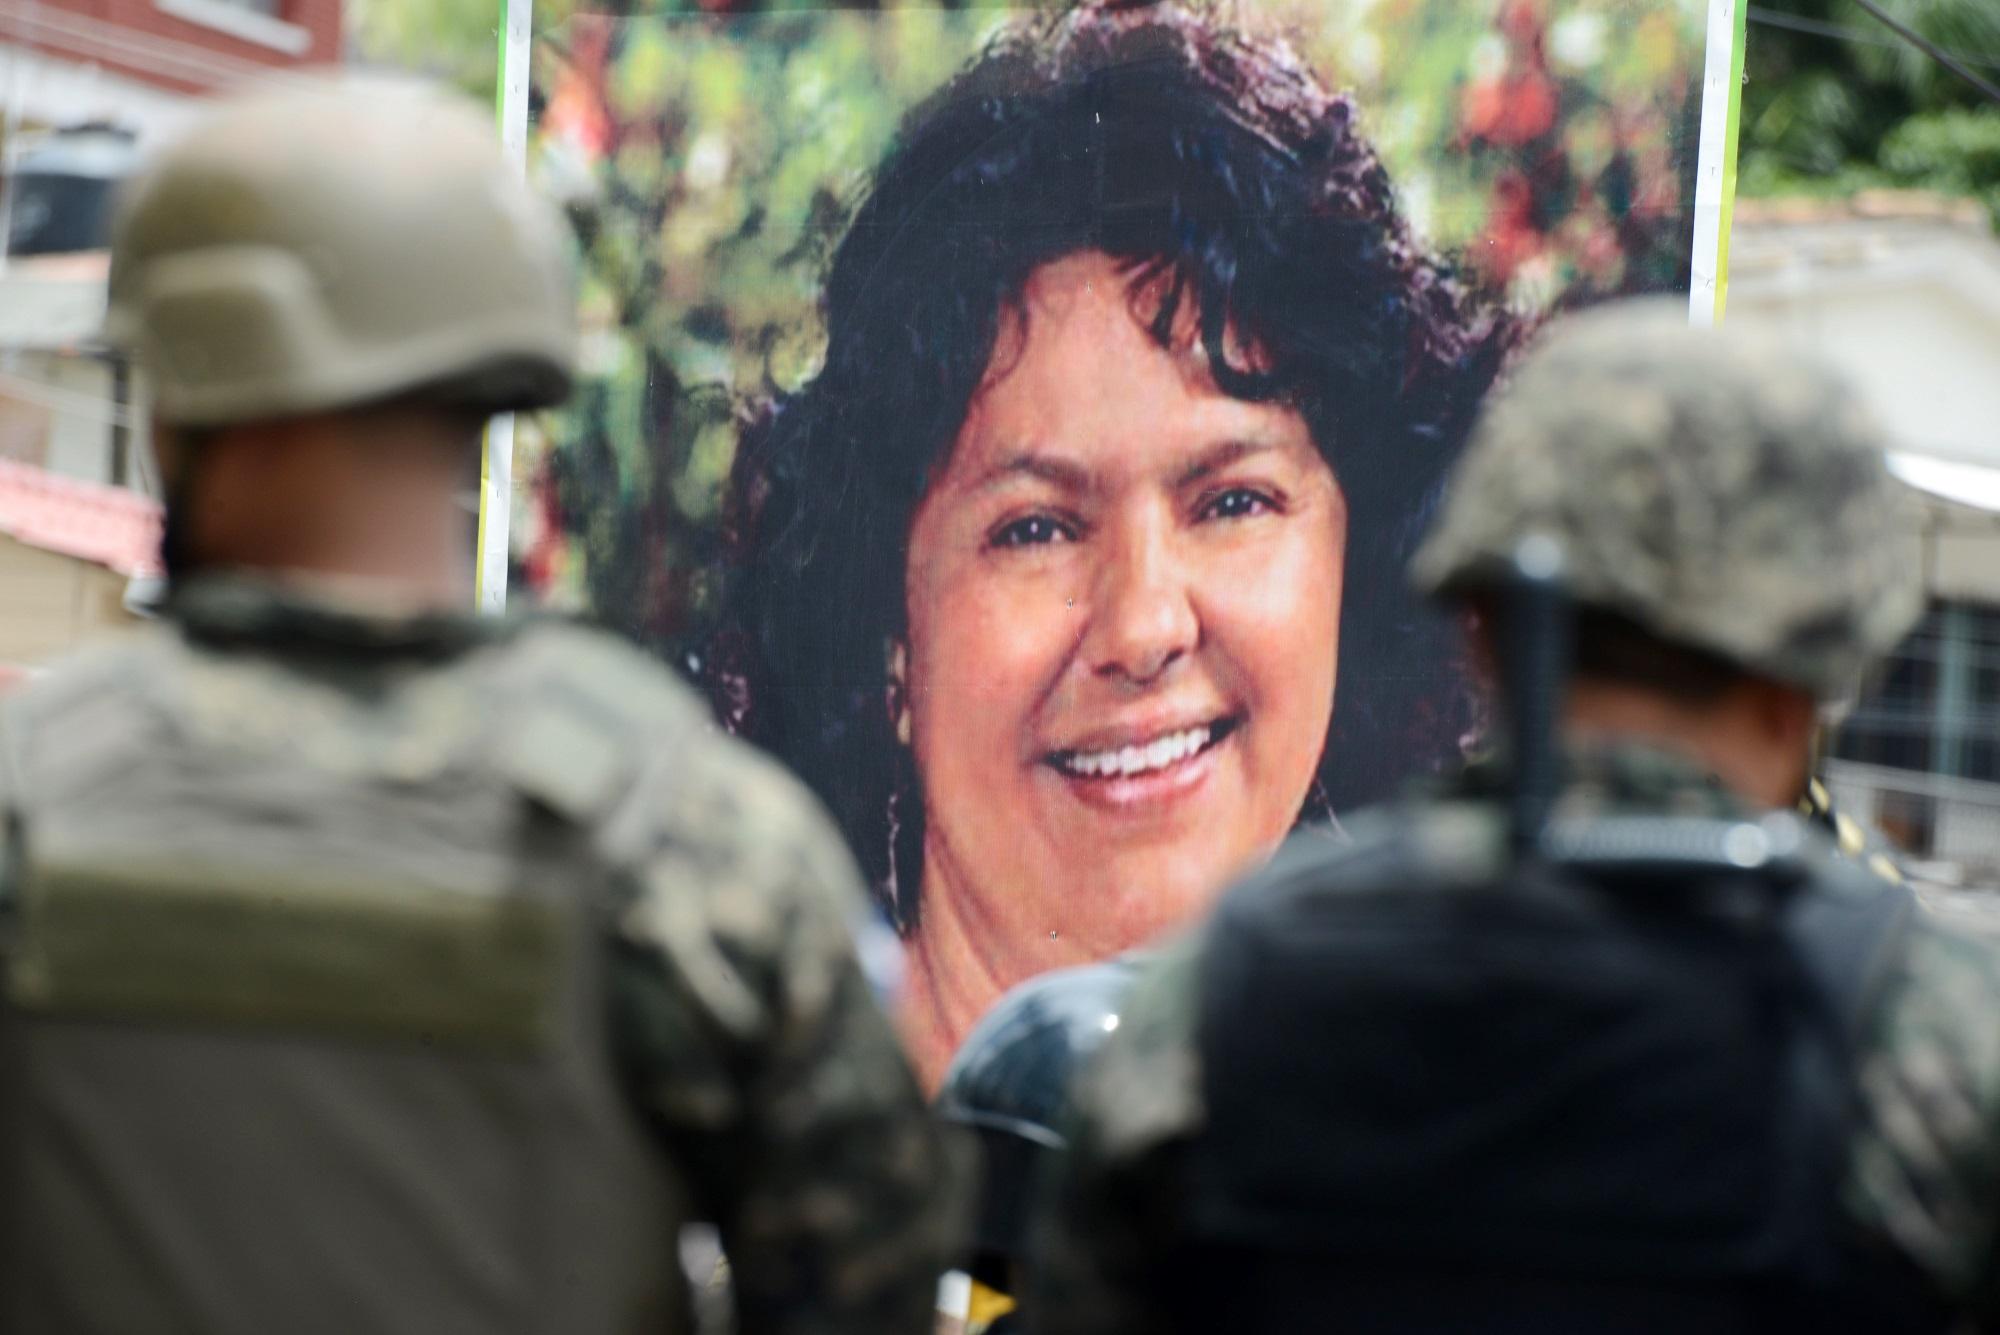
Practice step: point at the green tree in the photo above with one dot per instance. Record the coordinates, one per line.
(457, 41)
(1836, 101)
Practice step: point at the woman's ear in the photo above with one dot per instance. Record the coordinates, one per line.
(897, 696)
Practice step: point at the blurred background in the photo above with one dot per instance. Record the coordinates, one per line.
(708, 155)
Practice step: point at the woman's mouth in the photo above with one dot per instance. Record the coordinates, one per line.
(1141, 759)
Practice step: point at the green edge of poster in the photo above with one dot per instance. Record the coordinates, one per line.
(489, 582)
(1739, 39)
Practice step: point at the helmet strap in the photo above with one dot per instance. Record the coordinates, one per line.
(176, 549)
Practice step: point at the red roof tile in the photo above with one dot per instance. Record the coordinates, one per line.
(111, 526)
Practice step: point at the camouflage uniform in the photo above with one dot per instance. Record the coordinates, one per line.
(263, 740)
(375, 971)
(1724, 497)
(627, 946)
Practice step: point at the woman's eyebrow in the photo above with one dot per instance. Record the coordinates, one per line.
(1220, 456)
(1059, 472)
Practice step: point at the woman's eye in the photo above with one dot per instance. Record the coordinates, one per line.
(1031, 531)
(1236, 503)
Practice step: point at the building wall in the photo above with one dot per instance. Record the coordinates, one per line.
(1963, 552)
(1959, 830)
(186, 46)
(1923, 353)
(1908, 307)
(54, 603)
(57, 411)
(55, 90)
(1903, 294)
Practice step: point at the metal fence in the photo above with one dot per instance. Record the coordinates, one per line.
(1948, 826)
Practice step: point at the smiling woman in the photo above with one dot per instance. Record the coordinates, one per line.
(1137, 390)
(1123, 611)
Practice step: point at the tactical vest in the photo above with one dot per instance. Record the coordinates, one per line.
(317, 1042)
(1607, 1090)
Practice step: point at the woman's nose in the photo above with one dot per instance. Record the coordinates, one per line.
(1144, 618)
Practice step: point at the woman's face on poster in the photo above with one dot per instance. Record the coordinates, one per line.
(1123, 611)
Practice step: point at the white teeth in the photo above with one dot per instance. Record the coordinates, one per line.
(1127, 760)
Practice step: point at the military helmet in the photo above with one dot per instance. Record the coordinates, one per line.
(1708, 484)
(330, 243)
(1010, 1084)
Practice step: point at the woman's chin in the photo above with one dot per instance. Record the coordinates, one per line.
(1121, 884)
(1140, 899)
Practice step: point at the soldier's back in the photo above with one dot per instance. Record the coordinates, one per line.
(1502, 1100)
(328, 932)
(1921, 1173)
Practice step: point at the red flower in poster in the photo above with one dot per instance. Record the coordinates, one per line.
(576, 115)
(1518, 105)
(547, 549)
(1512, 110)
(1511, 237)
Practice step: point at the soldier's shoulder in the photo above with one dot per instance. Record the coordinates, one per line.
(1929, 1077)
(1144, 1088)
(597, 671)
(1952, 962)
(95, 698)
(723, 789)
(716, 812)
(118, 661)
(1158, 1006)
(731, 807)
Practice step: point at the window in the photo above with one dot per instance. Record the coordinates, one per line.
(1907, 819)
(1935, 706)
(259, 21)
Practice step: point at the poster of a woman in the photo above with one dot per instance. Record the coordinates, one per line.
(1067, 569)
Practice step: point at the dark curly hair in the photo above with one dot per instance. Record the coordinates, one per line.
(1221, 172)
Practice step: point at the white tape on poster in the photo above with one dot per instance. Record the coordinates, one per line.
(1715, 166)
(496, 473)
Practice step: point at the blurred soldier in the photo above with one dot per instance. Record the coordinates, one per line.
(374, 967)
(1009, 1086)
(1615, 1040)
